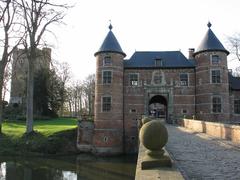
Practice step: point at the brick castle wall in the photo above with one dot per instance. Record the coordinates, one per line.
(108, 133)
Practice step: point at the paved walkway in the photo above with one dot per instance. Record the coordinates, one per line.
(200, 156)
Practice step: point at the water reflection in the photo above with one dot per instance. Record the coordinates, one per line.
(2, 170)
(68, 168)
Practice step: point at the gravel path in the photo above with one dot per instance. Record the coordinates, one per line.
(200, 156)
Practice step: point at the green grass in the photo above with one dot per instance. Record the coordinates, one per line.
(16, 129)
(56, 136)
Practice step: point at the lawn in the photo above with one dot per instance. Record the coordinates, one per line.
(56, 136)
(16, 129)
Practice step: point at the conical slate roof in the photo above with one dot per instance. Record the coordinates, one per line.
(110, 44)
(210, 43)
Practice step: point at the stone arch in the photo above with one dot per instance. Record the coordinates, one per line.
(158, 106)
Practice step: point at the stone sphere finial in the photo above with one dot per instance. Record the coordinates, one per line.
(209, 24)
(153, 135)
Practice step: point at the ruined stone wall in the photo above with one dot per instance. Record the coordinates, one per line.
(19, 72)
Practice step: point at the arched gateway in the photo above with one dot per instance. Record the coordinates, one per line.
(158, 107)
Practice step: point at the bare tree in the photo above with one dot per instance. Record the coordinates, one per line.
(234, 45)
(10, 40)
(89, 87)
(38, 16)
(64, 72)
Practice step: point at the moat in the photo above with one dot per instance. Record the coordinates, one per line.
(68, 168)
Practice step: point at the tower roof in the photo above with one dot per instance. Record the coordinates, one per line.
(210, 42)
(110, 44)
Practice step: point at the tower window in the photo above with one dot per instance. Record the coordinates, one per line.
(133, 79)
(216, 76)
(158, 62)
(237, 106)
(106, 103)
(215, 59)
(107, 61)
(107, 77)
(184, 79)
(216, 105)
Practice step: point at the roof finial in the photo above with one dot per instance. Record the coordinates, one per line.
(110, 25)
(209, 24)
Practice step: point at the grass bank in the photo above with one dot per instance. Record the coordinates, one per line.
(56, 136)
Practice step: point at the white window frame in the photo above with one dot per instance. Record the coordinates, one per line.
(221, 103)
(130, 82)
(103, 77)
(219, 59)
(107, 58)
(211, 77)
(106, 96)
(181, 82)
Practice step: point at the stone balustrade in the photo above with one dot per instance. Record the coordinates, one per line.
(219, 130)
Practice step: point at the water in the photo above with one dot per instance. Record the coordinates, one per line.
(82, 167)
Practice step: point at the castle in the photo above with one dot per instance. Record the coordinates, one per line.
(163, 84)
(18, 91)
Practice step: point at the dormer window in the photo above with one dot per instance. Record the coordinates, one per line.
(158, 62)
(215, 59)
(107, 61)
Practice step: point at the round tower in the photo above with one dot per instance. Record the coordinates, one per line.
(108, 120)
(212, 86)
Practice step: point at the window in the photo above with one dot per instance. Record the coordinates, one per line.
(158, 62)
(237, 106)
(107, 61)
(133, 110)
(216, 105)
(216, 78)
(107, 77)
(215, 59)
(184, 79)
(133, 79)
(106, 104)
(184, 111)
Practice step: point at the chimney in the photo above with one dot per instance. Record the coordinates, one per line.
(190, 53)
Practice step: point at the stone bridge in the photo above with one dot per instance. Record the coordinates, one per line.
(198, 155)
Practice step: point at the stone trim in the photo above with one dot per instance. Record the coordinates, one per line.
(223, 131)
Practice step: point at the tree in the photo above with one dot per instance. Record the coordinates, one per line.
(89, 87)
(234, 45)
(64, 73)
(80, 96)
(38, 15)
(10, 40)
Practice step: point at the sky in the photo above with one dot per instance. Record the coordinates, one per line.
(140, 25)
